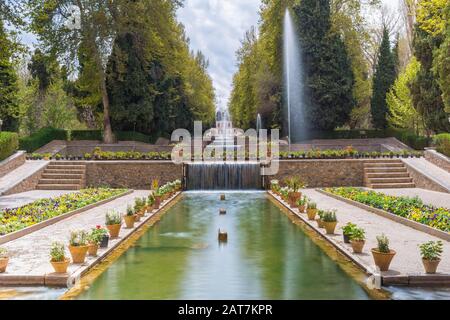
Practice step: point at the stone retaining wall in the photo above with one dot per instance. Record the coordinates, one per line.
(422, 181)
(438, 159)
(131, 174)
(12, 162)
(323, 173)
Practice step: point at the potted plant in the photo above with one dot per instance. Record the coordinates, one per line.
(113, 223)
(431, 255)
(78, 246)
(358, 239)
(383, 255)
(103, 234)
(130, 218)
(319, 220)
(311, 211)
(295, 184)
(302, 204)
(329, 221)
(95, 240)
(151, 202)
(347, 231)
(58, 258)
(157, 194)
(4, 259)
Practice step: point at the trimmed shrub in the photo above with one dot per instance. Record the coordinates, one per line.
(41, 138)
(442, 143)
(132, 136)
(9, 143)
(76, 135)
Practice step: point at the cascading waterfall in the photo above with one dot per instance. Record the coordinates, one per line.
(258, 124)
(294, 110)
(223, 176)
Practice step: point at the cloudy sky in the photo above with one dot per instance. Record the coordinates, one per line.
(216, 27)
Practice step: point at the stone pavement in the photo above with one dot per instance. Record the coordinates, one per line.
(434, 198)
(403, 239)
(441, 176)
(30, 254)
(20, 199)
(16, 176)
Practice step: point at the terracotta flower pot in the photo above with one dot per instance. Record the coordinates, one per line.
(61, 266)
(93, 248)
(3, 264)
(330, 227)
(114, 230)
(130, 220)
(357, 246)
(301, 209)
(311, 214)
(293, 198)
(157, 203)
(137, 218)
(78, 253)
(320, 223)
(383, 260)
(430, 265)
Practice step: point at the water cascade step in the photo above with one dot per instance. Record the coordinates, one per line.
(223, 176)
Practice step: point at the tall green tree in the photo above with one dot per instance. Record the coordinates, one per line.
(383, 79)
(328, 72)
(9, 108)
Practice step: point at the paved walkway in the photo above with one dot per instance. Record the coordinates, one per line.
(434, 198)
(30, 254)
(429, 169)
(20, 199)
(403, 239)
(16, 176)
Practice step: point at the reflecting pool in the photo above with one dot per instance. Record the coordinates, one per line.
(266, 256)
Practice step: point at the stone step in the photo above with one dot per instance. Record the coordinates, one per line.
(390, 180)
(384, 170)
(387, 175)
(62, 176)
(75, 167)
(58, 187)
(63, 163)
(384, 165)
(383, 160)
(60, 181)
(392, 185)
(63, 171)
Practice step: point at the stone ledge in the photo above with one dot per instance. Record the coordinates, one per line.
(12, 162)
(21, 233)
(409, 223)
(438, 159)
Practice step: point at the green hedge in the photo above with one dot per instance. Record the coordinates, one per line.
(41, 138)
(9, 143)
(76, 135)
(442, 143)
(132, 136)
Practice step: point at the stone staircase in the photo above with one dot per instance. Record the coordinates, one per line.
(387, 174)
(63, 175)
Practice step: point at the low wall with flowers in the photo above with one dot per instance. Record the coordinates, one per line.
(136, 175)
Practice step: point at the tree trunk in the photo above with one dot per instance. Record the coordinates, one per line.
(108, 135)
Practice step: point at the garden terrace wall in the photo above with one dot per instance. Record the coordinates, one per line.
(11, 163)
(323, 173)
(438, 159)
(131, 174)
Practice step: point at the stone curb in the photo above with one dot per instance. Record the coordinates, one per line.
(409, 223)
(21, 233)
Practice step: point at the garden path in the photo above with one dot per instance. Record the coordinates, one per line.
(403, 239)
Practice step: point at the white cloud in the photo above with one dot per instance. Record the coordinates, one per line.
(216, 27)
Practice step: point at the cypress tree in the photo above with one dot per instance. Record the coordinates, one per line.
(328, 75)
(383, 79)
(9, 107)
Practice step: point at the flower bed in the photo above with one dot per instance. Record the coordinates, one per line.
(12, 220)
(410, 208)
(347, 153)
